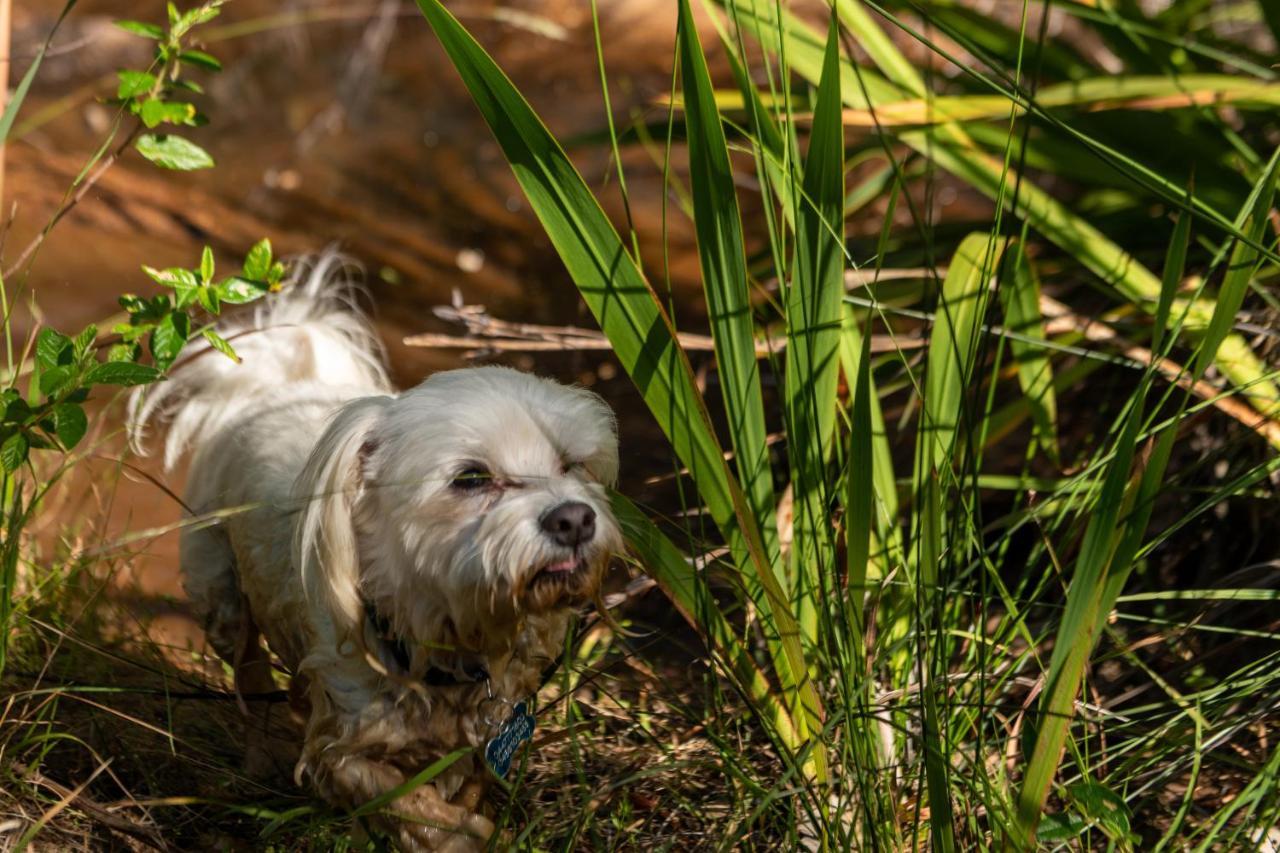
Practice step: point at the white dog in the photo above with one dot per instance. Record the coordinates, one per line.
(412, 558)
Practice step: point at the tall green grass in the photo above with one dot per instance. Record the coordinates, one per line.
(922, 621)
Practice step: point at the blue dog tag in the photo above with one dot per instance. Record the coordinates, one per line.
(517, 729)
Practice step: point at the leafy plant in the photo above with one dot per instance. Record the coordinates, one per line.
(155, 95)
(52, 417)
(64, 370)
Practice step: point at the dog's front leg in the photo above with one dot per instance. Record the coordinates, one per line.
(421, 820)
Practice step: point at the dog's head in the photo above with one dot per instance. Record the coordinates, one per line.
(472, 499)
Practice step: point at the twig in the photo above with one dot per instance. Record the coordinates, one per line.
(434, 341)
(487, 333)
(80, 192)
(1055, 312)
(92, 808)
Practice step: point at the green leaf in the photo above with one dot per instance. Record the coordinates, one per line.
(884, 481)
(14, 409)
(1080, 239)
(208, 297)
(767, 136)
(953, 347)
(238, 291)
(53, 348)
(171, 277)
(186, 295)
(193, 17)
(141, 28)
(1240, 270)
(70, 424)
(134, 83)
(85, 340)
(1101, 93)
(1102, 806)
(131, 303)
(257, 264)
(1019, 293)
(859, 489)
(882, 50)
(1061, 826)
(121, 373)
(220, 344)
(1175, 263)
(200, 59)
(173, 152)
(206, 265)
(53, 380)
(14, 452)
(724, 279)
(156, 112)
(123, 352)
(813, 318)
(806, 50)
(169, 338)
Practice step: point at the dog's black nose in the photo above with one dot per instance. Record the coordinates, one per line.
(570, 524)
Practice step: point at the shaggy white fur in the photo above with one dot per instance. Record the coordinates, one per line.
(465, 516)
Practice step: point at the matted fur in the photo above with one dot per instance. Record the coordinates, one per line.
(339, 493)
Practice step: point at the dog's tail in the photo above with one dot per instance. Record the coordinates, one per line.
(312, 331)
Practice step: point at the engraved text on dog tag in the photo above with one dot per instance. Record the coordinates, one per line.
(514, 731)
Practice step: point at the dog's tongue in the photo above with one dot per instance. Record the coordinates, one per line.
(562, 566)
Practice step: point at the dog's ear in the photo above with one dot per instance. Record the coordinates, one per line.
(324, 541)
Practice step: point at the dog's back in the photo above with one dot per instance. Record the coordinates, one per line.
(303, 354)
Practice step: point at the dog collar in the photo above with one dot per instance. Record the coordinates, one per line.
(472, 673)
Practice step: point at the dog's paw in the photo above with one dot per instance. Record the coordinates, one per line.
(428, 823)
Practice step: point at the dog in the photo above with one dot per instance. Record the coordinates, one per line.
(413, 559)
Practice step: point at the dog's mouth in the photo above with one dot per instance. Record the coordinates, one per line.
(565, 581)
(560, 570)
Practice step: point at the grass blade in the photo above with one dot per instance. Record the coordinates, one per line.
(24, 85)
(689, 593)
(1174, 265)
(1120, 92)
(1077, 633)
(766, 20)
(937, 755)
(1240, 270)
(1020, 299)
(813, 335)
(953, 347)
(859, 507)
(885, 516)
(724, 279)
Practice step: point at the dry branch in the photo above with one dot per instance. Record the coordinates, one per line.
(488, 333)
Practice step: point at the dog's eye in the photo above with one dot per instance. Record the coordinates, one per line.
(571, 467)
(472, 477)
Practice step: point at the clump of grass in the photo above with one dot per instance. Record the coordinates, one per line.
(921, 616)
